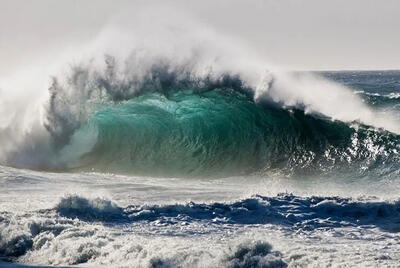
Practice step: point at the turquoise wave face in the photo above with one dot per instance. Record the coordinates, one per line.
(221, 132)
(215, 132)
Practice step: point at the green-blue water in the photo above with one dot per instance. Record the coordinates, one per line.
(221, 131)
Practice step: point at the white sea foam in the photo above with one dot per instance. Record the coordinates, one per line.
(145, 222)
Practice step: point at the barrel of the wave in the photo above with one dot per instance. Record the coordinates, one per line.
(218, 132)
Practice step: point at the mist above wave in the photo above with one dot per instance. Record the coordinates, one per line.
(45, 125)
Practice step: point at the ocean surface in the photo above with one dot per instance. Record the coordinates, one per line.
(174, 169)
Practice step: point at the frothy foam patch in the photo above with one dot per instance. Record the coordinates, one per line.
(95, 231)
(255, 254)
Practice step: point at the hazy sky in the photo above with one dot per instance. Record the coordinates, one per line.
(297, 34)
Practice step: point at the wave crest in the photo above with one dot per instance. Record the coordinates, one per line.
(162, 118)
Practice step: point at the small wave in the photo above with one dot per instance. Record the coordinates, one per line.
(255, 254)
(249, 254)
(88, 209)
(284, 209)
(392, 95)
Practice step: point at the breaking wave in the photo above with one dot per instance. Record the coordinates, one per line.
(195, 117)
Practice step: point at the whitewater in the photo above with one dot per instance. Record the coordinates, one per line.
(177, 146)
